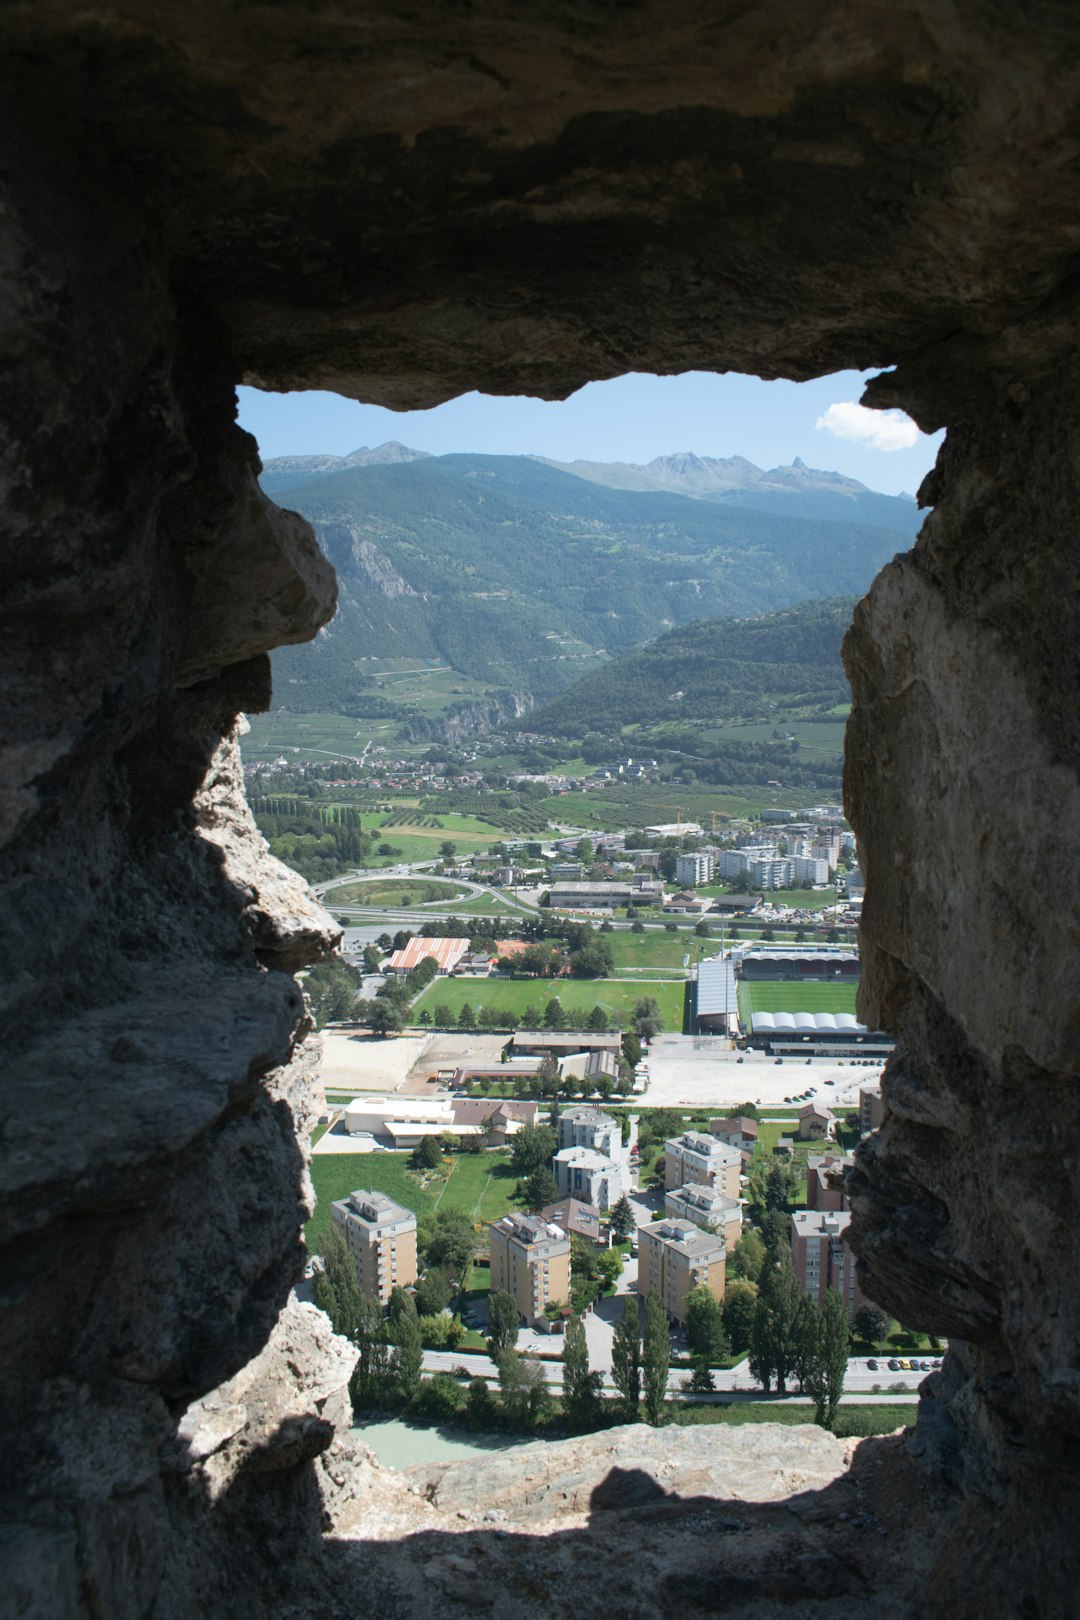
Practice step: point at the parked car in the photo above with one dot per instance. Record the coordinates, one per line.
(894, 1365)
(871, 1366)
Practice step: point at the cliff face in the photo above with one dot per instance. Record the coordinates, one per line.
(304, 197)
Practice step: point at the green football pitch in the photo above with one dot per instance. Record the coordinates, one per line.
(789, 996)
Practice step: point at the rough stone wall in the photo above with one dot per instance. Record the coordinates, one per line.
(963, 781)
(403, 208)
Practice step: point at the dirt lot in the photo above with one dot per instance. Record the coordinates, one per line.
(446, 1052)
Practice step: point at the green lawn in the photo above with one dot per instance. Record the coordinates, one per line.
(794, 997)
(513, 995)
(480, 1185)
(654, 948)
(391, 892)
(863, 1419)
(478, 905)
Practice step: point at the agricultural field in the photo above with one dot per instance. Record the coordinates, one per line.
(392, 892)
(817, 739)
(641, 807)
(480, 1185)
(616, 996)
(794, 997)
(314, 736)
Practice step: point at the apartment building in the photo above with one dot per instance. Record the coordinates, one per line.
(530, 1259)
(706, 1207)
(822, 1170)
(590, 1177)
(675, 1256)
(701, 1160)
(821, 1256)
(693, 869)
(381, 1237)
(592, 1128)
(871, 1106)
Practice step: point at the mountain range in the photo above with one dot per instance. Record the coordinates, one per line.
(524, 575)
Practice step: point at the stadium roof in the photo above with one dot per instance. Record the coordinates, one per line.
(806, 1023)
(717, 991)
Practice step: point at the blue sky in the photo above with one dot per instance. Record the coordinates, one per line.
(631, 418)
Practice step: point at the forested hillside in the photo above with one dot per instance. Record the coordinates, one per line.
(524, 577)
(718, 671)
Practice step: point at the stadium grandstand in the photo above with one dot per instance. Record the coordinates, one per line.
(717, 1000)
(819, 1034)
(819, 962)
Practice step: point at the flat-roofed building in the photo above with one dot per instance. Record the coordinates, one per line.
(821, 1256)
(530, 1259)
(703, 1161)
(675, 1256)
(706, 1207)
(824, 1180)
(871, 1106)
(591, 1128)
(381, 1238)
(404, 1120)
(591, 1177)
(561, 1042)
(693, 868)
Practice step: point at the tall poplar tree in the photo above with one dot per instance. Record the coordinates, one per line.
(626, 1355)
(655, 1359)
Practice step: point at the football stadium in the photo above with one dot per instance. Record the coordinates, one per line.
(788, 1001)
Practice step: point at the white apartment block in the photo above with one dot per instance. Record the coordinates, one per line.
(693, 869)
(591, 1128)
(381, 1237)
(590, 1177)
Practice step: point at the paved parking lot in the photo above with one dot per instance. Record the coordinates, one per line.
(703, 1073)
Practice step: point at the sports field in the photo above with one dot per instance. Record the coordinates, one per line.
(479, 1185)
(615, 996)
(790, 997)
(655, 948)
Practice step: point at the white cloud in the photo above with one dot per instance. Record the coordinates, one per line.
(878, 430)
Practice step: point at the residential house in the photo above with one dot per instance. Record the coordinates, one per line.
(816, 1123)
(590, 1176)
(737, 1131)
